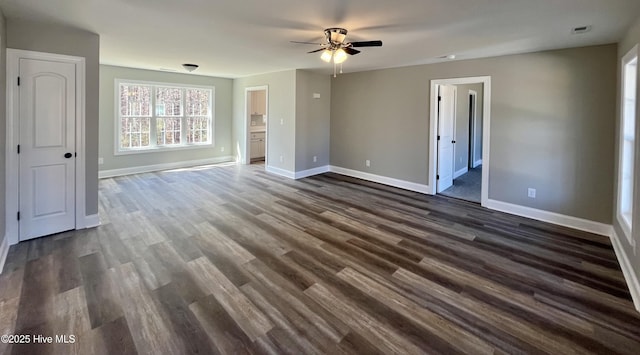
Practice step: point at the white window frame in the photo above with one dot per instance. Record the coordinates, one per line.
(627, 225)
(153, 146)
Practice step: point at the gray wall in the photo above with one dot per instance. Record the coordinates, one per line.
(462, 124)
(39, 37)
(3, 121)
(280, 106)
(631, 39)
(312, 120)
(552, 125)
(222, 128)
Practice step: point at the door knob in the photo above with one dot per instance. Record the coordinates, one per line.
(68, 155)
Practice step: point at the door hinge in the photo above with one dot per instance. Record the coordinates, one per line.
(438, 137)
(437, 177)
(439, 98)
(18, 81)
(18, 148)
(18, 215)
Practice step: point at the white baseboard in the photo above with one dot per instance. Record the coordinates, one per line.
(311, 172)
(407, 185)
(4, 251)
(551, 217)
(632, 278)
(460, 172)
(298, 174)
(281, 172)
(91, 221)
(477, 162)
(166, 166)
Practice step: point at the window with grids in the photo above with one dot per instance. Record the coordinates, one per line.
(627, 140)
(156, 116)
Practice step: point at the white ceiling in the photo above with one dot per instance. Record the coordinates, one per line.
(241, 38)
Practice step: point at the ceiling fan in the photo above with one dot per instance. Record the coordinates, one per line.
(336, 49)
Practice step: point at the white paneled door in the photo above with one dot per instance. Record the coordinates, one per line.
(47, 157)
(446, 136)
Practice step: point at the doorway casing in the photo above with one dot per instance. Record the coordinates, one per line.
(486, 123)
(246, 159)
(12, 164)
(473, 130)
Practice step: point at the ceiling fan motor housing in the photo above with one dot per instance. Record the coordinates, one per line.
(335, 35)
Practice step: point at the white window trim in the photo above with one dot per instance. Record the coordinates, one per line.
(622, 222)
(153, 136)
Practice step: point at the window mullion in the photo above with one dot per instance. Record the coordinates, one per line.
(183, 119)
(153, 139)
(119, 124)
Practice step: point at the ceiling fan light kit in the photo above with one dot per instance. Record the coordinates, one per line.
(336, 49)
(326, 55)
(339, 56)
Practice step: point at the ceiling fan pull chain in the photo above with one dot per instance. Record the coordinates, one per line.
(340, 68)
(334, 69)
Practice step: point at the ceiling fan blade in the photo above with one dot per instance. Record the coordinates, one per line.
(299, 42)
(367, 44)
(351, 51)
(316, 50)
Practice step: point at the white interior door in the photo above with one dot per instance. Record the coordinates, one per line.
(47, 119)
(446, 114)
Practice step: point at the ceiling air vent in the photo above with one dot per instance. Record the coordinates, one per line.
(581, 29)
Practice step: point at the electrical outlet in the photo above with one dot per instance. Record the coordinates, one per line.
(367, 162)
(315, 159)
(222, 149)
(281, 159)
(100, 161)
(531, 192)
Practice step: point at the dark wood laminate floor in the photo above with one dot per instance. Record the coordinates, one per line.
(233, 260)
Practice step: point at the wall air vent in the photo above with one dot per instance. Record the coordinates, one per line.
(581, 29)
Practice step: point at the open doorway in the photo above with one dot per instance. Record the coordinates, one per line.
(459, 135)
(467, 147)
(257, 117)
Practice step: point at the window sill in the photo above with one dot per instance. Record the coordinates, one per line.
(164, 149)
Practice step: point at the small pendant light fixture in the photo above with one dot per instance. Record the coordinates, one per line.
(190, 67)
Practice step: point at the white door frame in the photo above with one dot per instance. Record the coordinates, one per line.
(473, 111)
(486, 124)
(12, 198)
(247, 123)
